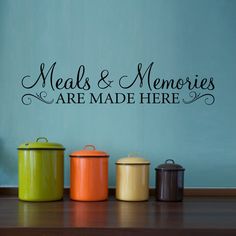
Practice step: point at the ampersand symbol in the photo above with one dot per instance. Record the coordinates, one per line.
(103, 83)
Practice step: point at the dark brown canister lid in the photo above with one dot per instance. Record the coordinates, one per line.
(170, 165)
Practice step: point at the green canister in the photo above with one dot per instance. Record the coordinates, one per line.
(41, 170)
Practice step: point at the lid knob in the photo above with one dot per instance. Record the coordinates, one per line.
(42, 138)
(170, 161)
(133, 154)
(89, 147)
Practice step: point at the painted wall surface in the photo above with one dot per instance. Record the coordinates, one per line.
(182, 37)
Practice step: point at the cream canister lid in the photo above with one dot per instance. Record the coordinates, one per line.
(132, 160)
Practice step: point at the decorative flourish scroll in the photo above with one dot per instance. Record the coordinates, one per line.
(27, 98)
(194, 96)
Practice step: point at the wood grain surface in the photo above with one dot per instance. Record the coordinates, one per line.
(194, 216)
(193, 192)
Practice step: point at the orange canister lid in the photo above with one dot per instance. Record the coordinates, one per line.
(89, 151)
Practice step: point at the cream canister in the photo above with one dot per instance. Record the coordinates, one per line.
(132, 179)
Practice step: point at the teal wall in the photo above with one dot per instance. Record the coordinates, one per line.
(181, 37)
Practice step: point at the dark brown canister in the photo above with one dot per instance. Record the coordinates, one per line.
(169, 181)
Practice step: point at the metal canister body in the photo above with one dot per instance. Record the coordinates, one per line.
(89, 175)
(132, 179)
(169, 181)
(41, 171)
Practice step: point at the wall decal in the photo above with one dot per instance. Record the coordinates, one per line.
(152, 89)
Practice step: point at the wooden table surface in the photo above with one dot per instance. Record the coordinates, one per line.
(194, 216)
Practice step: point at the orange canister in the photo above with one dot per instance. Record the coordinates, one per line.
(89, 174)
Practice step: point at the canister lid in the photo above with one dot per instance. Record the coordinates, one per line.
(132, 160)
(89, 151)
(169, 165)
(41, 143)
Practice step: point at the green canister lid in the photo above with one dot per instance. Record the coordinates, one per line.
(42, 144)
